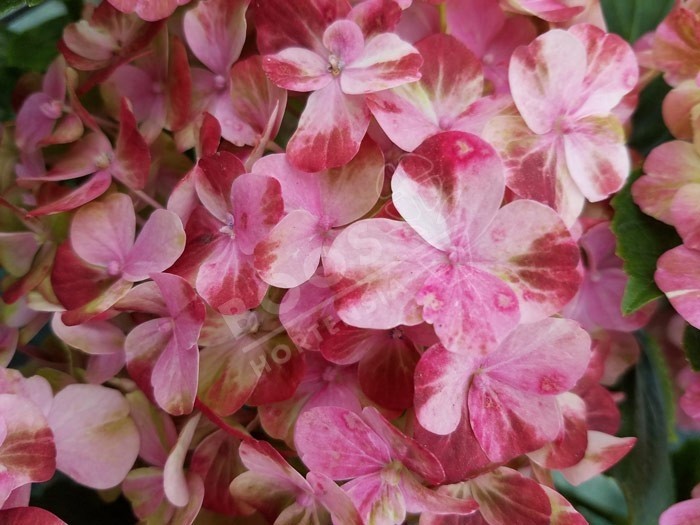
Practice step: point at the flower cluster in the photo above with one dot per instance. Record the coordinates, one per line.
(324, 261)
(669, 192)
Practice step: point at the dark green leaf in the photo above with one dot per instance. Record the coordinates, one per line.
(640, 242)
(691, 346)
(645, 474)
(648, 128)
(632, 18)
(35, 48)
(7, 6)
(686, 467)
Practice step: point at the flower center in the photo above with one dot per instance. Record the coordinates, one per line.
(219, 82)
(391, 474)
(227, 229)
(335, 65)
(52, 109)
(114, 268)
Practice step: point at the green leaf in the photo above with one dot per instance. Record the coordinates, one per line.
(632, 18)
(645, 474)
(641, 240)
(691, 346)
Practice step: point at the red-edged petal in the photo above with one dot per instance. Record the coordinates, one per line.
(677, 274)
(297, 69)
(215, 31)
(102, 233)
(378, 266)
(158, 245)
(29, 516)
(385, 62)
(449, 188)
(356, 451)
(330, 129)
(539, 262)
(442, 379)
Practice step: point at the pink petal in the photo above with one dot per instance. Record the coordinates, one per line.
(227, 377)
(684, 215)
(412, 455)
(668, 168)
(290, 254)
(216, 462)
(596, 156)
(344, 40)
(377, 501)
(508, 422)
(549, 10)
(158, 245)
(213, 178)
(300, 190)
(257, 207)
(143, 487)
(254, 98)
(33, 124)
(386, 373)
(349, 192)
(103, 301)
(280, 24)
(27, 452)
(96, 440)
(102, 233)
(148, 9)
(261, 458)
(535, 166)
(330, 130)
(611, 72)
(333, 498)
(228, 282)
(89, 191)
(602, 453)
(442, 379)
(422, 499)
(546, 78)
(449, 188)
(29, 516)
(570, 445)
(132, 157)
(297, 69)
(523, 360)
(379, 266)
(175, 482)
(143, 347)
(563, 512)
(174, 378)
(683, 513)
(376, 16)
(471, 310)
(505, 494)
(93, 337)
(678, 275)
(356, 449)
(430, 104)
(540, 264)
(157, 433)
(215, 32)
(82, 158)
(385, 62)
